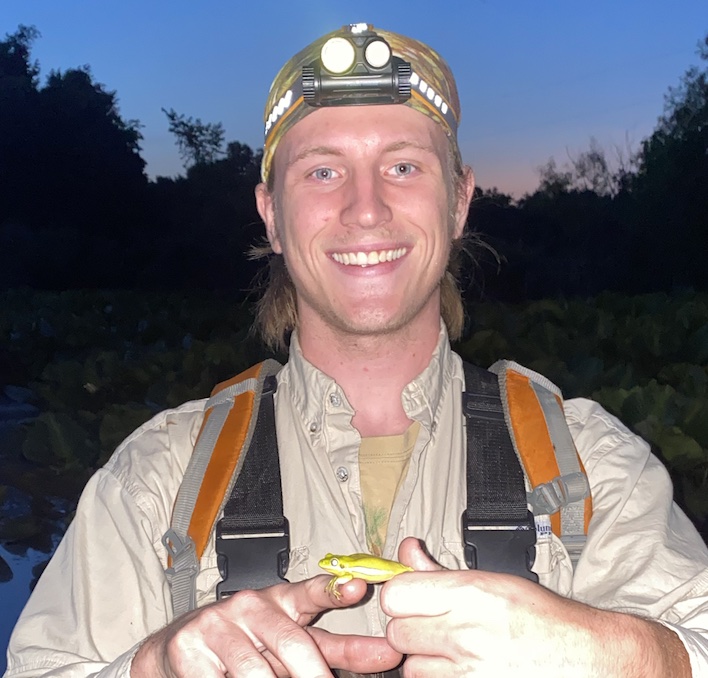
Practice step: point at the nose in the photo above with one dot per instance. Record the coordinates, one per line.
(366, 205)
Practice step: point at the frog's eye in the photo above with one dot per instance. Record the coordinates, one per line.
(334, 562)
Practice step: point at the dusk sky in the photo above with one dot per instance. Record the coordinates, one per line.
(537, 79)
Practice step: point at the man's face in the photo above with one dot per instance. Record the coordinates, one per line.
(364, 213)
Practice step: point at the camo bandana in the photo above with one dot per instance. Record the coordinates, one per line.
(433, 91)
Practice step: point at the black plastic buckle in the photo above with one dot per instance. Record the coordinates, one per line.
(251, 560)
(507, 548)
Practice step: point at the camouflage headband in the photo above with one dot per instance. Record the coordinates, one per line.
(432, 88)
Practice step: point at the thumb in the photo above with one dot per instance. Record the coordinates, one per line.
(412, 552)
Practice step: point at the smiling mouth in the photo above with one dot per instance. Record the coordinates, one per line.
(368, 258)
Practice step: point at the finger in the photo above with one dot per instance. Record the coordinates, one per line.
(433, 636)
(249, 663)
(412, 552)
(295, 649)
(418, 665)
(224, 651)
(306, 599)
(426, 594)
(360, 654)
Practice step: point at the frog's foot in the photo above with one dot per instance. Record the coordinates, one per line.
(334, 582)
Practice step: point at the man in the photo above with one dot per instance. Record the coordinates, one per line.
(363, 205)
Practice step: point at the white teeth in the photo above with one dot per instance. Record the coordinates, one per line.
(370, 258)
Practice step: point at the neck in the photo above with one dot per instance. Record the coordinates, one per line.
(373, 370)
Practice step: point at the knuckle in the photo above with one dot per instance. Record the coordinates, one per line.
(393, 632)
(248, 599)
(290, 635)
(177, 648)
(245, 663)
(209, 616)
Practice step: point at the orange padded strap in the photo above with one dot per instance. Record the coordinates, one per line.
(224, 459)
(532, 439)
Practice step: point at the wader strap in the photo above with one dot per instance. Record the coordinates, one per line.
(534, 415)
(498, 529)
(229, 423)
(252, 538)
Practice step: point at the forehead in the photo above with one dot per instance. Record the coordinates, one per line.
(361, 130)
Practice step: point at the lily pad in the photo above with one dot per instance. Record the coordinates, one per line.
(679, 449)
(5, 571)
(37, 571)
(20, 528)
(118, 423)
(55, 439)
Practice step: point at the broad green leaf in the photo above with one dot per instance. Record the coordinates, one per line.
(695, 421)
(678, 449)
(485, 347)
(117, 423)
(635, 407)
(698, 345)
(19, 528)
(55, 439)
(696, 500)
(5, 571)
(612, 399)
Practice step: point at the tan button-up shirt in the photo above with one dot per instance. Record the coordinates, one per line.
(105, 590)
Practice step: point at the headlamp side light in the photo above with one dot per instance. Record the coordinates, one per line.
(377, 53)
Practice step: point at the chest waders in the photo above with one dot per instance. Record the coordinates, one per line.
(520, 454)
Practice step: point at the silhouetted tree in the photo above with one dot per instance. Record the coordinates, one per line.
(19, 108)
(210, 220)
(670, 186)
(589, 170)
(72, 182)
(198, 142)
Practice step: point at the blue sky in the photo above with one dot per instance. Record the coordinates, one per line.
(537, 78)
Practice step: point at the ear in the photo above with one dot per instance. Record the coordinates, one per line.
(266, 208)
(463, 202)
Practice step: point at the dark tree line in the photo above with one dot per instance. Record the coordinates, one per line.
(640, 227)
(77, 210)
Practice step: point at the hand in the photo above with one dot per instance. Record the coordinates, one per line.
(458, 623)
(263, 634)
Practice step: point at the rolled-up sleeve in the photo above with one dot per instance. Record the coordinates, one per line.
(643, 555)
(104, 590)
(84, 612)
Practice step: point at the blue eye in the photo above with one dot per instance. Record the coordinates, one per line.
(323, 174)
(402, 169)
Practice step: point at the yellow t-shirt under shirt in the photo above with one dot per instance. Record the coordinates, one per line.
(383, 462)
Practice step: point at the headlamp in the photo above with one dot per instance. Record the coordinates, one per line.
(356, 68)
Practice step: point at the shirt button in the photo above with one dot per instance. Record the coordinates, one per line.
(342, 474)
(335, 399)
(313, 427)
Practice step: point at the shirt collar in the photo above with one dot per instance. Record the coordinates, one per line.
(315, 394)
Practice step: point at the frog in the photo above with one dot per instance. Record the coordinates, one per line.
(364, 566)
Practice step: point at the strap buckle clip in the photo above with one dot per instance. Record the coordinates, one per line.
(505, 546)
(251, 560)
(182, 551)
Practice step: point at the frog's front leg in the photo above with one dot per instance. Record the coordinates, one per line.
(336, 581)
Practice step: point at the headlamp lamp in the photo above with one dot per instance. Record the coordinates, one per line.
(356, 68)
